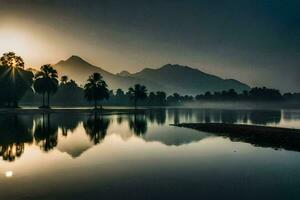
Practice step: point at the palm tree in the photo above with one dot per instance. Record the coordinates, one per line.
(96, 89)
(139, 92)
(45, 82)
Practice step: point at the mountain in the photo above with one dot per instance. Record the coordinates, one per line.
(186, 80)
(79, 70)
(124, 73)
(169, 78)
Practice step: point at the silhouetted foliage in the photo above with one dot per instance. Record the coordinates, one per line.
(96, 89)
(96, 128)
(138, 124)
(69, 94)
(139, 92)
(64, 80)
(254, 95)
(45, 134)
(10, 59)
(157, 99)
(45, 82)
(265, 117)
(264, 94)
(15, 131)
(157, 115)
(67, 122)
(14, 80)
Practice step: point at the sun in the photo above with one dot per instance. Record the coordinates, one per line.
(9, 174)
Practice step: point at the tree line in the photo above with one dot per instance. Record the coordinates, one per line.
(44, 86)
(16, 81)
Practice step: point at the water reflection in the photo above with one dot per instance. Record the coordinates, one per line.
(96, 128)
(15, 131)
(138, 124)
(261, 117)
(46, 131)
(265, 117)
(67, 122)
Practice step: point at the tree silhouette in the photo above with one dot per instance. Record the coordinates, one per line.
(69, 94)
(14, 80)
(139, 92)
(96, 89)
(45, 82)
(64, 80)
(11, 60)
(157, 99)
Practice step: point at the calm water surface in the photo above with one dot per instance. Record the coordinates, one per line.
(78, 156)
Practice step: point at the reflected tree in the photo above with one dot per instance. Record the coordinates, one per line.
(46, 136)
(229, 116)
(138, 124)
(174, 115)
(96, 128)
(119, 119)
(12, 151)
(264, 117)
(15, 131)
(67, 122)
(157, 115)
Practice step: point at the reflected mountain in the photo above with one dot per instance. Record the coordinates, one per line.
(176, 137)
(15, 132)
(75, 144)
(96, 128)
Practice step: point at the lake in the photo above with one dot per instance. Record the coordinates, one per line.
(80, 156)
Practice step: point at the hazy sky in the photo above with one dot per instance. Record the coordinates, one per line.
(255, 41)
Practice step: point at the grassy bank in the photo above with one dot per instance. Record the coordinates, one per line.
(273, 137)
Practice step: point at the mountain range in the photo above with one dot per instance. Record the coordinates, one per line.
(169, 78)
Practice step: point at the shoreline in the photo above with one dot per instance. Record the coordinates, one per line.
(70, 110)
(261, 136)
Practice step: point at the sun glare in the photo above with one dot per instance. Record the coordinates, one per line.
(32, 44)
(12, 40)
(9, 174)
(21, 41)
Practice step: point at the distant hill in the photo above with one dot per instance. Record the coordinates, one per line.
(188, 80)
(78, 69)
(169, 78)
(123, 73)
